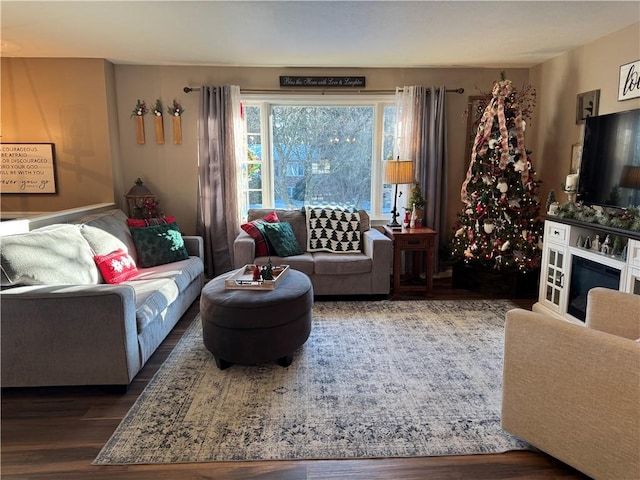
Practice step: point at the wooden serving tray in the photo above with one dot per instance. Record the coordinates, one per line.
(243, 279)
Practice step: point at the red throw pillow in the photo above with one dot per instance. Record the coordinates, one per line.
(256, 231)
(146, 222)
(116, 267)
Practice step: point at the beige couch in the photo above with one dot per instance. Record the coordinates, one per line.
(365, 272)
(574, 392)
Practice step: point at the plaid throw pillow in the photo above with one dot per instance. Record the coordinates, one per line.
(256, 230)
(146, 222)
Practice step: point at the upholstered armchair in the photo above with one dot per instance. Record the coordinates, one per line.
(574, 392)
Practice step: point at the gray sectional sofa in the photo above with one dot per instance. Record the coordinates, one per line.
(365, 272)
(62, 325)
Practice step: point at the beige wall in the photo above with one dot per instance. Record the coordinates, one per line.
(170, 170)
(84, 107)
(558, 81)
(62, 101)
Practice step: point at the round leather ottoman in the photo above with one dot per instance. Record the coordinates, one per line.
(256, 326)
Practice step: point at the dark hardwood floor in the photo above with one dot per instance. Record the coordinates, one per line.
(55, 433)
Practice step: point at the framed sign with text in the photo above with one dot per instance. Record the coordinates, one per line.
(322, 82)
(629, 81)
(27, 168)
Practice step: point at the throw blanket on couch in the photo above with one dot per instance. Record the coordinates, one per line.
(332, 230)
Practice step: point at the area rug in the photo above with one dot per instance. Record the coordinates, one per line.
(375, 379)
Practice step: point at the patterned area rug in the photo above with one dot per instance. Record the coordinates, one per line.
(375, 379)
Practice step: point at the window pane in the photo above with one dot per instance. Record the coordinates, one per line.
(255, 199)
(389, 133)
(254, 185)
(252, 168)
(252, 115)
(322, 154)
(388, 136)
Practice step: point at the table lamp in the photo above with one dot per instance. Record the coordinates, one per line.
(397, 172)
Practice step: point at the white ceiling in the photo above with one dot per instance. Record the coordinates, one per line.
(310, 33)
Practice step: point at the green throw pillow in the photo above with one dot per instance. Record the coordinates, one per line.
(282, 238)
(159, 244)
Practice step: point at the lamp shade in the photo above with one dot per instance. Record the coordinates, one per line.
(630, 177)
(398, 172)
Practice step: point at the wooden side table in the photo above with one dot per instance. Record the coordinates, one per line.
(413, 240)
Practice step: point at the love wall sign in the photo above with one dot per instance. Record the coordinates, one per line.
(629, 82)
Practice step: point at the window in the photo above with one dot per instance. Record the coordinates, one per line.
(304, 151)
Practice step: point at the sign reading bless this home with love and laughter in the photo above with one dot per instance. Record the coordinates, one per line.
(27, 168)
(322, 82)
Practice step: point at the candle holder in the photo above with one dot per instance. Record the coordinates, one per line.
(571, 187)
(571, 195)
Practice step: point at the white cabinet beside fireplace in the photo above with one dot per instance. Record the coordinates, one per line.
(562, 241)
(554, 268)
(632, 281)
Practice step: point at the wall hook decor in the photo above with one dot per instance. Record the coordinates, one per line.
(139, 112)
(157, 112)
(176, 111)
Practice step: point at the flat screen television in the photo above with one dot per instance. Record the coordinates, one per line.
(610, 164)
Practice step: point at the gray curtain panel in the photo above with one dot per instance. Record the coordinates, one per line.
(218, 222)
(431, 160)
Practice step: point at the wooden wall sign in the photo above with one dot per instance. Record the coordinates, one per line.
(27, 168)
(322, 82)
(629, 81)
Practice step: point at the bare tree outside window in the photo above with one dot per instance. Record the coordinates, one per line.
(334, 144)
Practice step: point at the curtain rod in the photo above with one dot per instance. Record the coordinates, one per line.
(314, 90)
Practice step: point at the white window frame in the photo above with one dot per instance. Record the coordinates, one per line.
(265, 102)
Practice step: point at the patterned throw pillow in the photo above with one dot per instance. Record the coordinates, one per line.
(116, 267)
(332, 230)
(146, 222)
(256, 230)
(282, 238)
(159, 244)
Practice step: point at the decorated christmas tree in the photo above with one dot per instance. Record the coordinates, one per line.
(499, 226)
